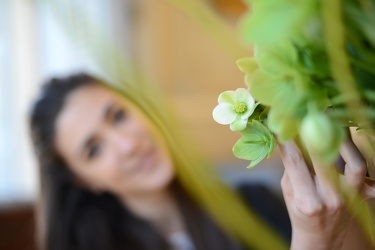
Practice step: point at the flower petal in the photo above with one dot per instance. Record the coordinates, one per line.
(224, 114)
(243, 95)
(250, 102)
(249, 79)
(239, 124)
(227, 97)
(249, 111)
(247, 65)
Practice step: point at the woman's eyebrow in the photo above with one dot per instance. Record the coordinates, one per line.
(90, 139)
(107, 110)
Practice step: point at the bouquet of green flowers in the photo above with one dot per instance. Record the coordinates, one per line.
(312, 74)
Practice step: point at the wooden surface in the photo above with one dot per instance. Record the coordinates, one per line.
(17, 228)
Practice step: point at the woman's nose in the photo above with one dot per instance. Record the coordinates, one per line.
(127, 144)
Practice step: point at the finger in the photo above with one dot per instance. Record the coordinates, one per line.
(305, 205)
(297, 172)
(366, 149)
(326, 181)
(369, 191)
(287, 190)
(286, 187)
(356, 167)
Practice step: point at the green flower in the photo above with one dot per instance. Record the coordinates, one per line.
(278, 84)
(234, 108)
(270, 21)
(249, 66)
(322, 135)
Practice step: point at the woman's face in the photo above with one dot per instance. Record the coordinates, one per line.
(109, 145)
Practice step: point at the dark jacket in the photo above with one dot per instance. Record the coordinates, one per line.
(269, 207)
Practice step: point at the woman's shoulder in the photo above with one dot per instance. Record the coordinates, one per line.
(267, 205)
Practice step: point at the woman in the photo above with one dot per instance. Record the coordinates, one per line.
(111, 180)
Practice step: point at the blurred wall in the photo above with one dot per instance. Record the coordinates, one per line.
(191, 68)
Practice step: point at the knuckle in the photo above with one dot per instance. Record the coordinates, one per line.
(310, 208)
(294, 159)
(285, 186)
(359, 169)
(284, 182)
(336, 205)
(287, 191)
(312, 211)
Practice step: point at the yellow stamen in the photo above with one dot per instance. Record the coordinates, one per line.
(240, 107)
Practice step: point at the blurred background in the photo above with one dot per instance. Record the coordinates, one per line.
(178, 52)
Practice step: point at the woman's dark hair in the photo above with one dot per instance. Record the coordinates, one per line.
(76, 219)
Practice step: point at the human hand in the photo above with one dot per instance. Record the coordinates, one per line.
(320, 218)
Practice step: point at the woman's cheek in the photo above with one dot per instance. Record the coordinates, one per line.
(111, 173)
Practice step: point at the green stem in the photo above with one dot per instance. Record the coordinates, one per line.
(334, 33)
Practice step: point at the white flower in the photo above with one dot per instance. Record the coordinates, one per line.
(234, 108)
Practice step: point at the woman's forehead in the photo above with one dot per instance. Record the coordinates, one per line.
(84, 104)
(89, 94)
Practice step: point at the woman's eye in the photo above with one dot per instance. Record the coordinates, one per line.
(119, 116)
(94, 151)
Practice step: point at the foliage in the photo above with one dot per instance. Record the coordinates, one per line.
(257, 142)
(312, 71)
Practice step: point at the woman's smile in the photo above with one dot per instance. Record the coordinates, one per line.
(146, 161)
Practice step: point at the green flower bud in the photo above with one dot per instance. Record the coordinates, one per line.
(321, 135)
